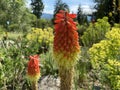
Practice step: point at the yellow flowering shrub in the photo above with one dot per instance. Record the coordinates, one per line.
(105, 59)
(95, 32)
(42, 36)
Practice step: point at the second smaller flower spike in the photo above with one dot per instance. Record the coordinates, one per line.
(33, 71)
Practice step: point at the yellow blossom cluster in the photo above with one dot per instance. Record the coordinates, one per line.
(41, 35)
(105, 58)
(96, 32)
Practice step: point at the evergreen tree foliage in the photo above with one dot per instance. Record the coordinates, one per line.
(37, 7)
(59, 5)
(110, 8)
(82, 18)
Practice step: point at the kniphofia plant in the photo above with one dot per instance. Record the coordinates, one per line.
(33, 71)
(66, 47)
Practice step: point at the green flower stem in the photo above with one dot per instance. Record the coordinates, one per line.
(34, 85)
(66, 78)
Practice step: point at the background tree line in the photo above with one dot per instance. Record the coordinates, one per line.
(15, 16)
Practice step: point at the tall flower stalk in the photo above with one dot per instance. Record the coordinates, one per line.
(33, 71)
(66, 47)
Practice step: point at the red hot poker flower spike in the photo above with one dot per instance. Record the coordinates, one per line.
(33, 70)
(66, 45)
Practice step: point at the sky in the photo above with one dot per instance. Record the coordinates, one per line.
(86, 5)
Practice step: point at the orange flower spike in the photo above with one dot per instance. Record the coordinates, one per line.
(66, 45)
(33, 70)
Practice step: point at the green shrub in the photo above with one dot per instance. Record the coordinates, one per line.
(117, 25)
(95, 32)
(105, 59)
(12, 68)
(43, 38)
(42, 23)
(1, 29)
(81, 30)
(13, 62)
(48, 66)
(82, 69)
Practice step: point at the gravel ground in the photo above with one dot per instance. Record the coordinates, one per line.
(52, 83)
(49, 83)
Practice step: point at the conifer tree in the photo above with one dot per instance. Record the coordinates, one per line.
(82, 18)
(37, 7)
(110, 8)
